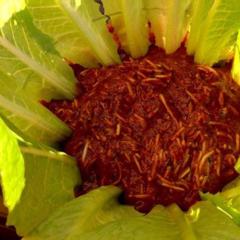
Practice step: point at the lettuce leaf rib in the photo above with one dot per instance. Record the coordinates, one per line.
(130, 23)
(169, 21)
(29, 117)
(201, 9)
(58, 82)
(217, 32)
(38, 73)
(78, 36)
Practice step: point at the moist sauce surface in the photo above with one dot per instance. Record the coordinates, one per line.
(160, 127)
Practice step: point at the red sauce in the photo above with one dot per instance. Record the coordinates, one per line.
(160, 127)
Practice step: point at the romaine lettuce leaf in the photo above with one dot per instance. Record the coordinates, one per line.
(223, 204)
(228, 200)
(130, 23)
(209, 223)
(28, 116)
(217, 31)
(8, 8)
(98, 215)
(200, 12)
(231, 193)
(37, 72)
(78, 29)
(169, 21)
(50, 180)
(11, 167)
(47, 208)
(84, 214)
(236, 62)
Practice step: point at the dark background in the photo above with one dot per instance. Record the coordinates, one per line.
(6, 233)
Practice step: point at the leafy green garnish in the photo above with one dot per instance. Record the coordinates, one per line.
(224, 205)
(231, 193)
(228, 200)
(98, 215)
(32, 68)
(78, 29)
(50, 180)
(237, 166)
(11, 167)
(210, 223)
(169, 21)
(215, 26)
(29, 117)
(200, 11)
(236, 62)
(84, 214)
(38, 73)
(8, 8)
(130, 23)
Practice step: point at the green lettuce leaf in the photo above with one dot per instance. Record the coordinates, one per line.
(37, 72)
(83, 215)
(223, 204)
(78, 29)
(169, 21)
(200, 11)
(216, 25)
(11, 167)
(130, 23)
(50, 180)
(209, 223)
(237, 165)
(8, 8)
(47, 209)
(236, 62)
(228, 200)
(28, 116)
(98, 215)
(231, 193)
